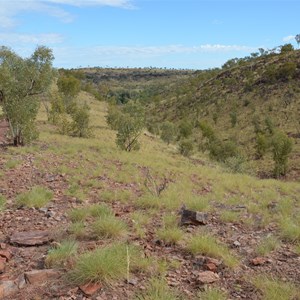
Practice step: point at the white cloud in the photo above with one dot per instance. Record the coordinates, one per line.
(9, 9)
(13, 39)
(288, 38)
(139, 55)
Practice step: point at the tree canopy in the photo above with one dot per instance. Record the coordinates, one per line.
(21, 81)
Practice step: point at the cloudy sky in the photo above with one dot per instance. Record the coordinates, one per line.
(195, 34)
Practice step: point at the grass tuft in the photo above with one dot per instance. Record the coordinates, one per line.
(206, 244)
(104, 265)
(37, 197)
(267, 245)
(273, 289)
(108, 227)
(170, 236)
(58, 257)
(2, 202)
(212, 294)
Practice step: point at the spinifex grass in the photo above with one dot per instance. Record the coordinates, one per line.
(207, 244)
(108, 227)
(274, 289)
(2, 202)
(57, 257)
(37, 197)
(267, 245)
(105, 265)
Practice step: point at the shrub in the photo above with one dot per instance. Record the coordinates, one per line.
(185, 129)
(282, 146)
(220, 151)
(186, 147)
(168, 132)
(80, 121)
(37, 197)
(262, 145)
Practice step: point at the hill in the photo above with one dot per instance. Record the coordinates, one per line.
(79, 217)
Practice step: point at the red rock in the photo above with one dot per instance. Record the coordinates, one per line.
(2, 264)
(40, 276)
(258, 261)
(207, 277)
(6, 254)
(90, 288)
(211, 267)
(7, 288)
(30, 238)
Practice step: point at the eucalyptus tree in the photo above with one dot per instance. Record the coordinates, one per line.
(297, 37)
(22, 80)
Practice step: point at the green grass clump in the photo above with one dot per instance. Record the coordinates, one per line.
(289, 229)
(77, 229)
(12, 163)
(108, 227)
(267, 245)
(78, 214)
(230, 216)
(37, 197)
(105, 265)
(212, 294)
(99, 210)
(206, 244)
(2, 202)
(57, 257)
(273, 289)
(149, 201)
(158, 290)
(170, 236)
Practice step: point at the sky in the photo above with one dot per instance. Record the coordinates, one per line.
(185, 34)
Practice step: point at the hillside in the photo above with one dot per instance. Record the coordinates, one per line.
(259, 92)
(96, 229)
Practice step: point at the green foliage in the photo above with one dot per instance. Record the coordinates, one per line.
(80, 126)
(57, 109)
(186, 147)
(185, 129)
(221, 151)
(69, 86)
(270, 127)
(37, 197)
(129, 123)
(170, 236)
(237, 164)
(262, 145)
(287, 71)
(168, 132)
(113, 117)
(58, 257)
(21, 81)
(286, 48)
(282, 146)
(207, 131)
(233, 118)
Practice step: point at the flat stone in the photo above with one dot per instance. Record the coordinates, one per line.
(7, 288)
(41, 276)
(190, 217)
(90, 289)
(30, 238)
(208, 277)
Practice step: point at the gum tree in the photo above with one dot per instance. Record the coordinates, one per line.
(22, 81)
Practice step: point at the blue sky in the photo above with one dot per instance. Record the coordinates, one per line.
(192, 34)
